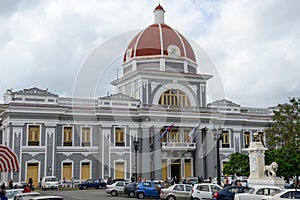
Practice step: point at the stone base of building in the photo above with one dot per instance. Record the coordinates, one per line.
(270, 181)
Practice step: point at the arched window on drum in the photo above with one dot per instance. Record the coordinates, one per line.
(174, 97)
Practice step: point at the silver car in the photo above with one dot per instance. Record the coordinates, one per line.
(177, 191)
(116, 188)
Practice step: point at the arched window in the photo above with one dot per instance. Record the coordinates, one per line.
(174, 97)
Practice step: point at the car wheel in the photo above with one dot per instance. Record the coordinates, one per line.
(171, 198)
(131, 194)
(141, 195)
(114, 193)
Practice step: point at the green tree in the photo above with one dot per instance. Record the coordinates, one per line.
(238, 164)
(287, 158)
(286, 129)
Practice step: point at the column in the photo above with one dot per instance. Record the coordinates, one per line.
(144, 153)
(50, 151)
(157, 166)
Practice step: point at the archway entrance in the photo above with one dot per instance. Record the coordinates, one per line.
(176, 170)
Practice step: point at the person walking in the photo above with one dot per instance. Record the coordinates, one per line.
(158, 189)
(72, 182)
(3, 192)
(10, 184)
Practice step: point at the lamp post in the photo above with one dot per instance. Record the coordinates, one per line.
(136, 148)
(218, 138)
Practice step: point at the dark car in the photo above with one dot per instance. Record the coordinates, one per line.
(92, 183)
(228, 193)
(130, 189)
(146, 189)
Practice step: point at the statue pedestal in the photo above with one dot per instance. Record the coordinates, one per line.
(270, 181)
(257, 176)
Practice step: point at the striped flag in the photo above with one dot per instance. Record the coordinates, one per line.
(193, 133)
(167, 130)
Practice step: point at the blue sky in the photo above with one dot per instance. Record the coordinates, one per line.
(253, 46)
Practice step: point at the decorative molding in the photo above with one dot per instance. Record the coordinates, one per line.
(86, 153)
(120, 153)
(33, 154)
(67, 153)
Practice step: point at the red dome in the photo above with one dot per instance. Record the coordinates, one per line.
(159, 39)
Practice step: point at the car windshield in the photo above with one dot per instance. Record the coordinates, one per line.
(51, 179)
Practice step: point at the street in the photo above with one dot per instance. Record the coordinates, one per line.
(83, 194)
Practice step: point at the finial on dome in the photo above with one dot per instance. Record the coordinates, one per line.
(159, 13)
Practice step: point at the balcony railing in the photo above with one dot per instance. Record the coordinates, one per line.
(178, 146)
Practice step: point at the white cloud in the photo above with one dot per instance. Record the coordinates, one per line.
(254, 44)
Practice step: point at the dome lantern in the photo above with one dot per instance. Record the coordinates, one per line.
(159, 15)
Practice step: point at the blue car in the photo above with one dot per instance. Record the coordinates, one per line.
(228, 193)
(92, 183)
(146, 189)
(130, 189)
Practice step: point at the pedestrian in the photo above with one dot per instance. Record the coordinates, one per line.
(132, 179)
(64, 182)
(30, 184)
(10, 184)
(26, 189)
(139, 179)
(3, 192)
(72, 182)
(158, 189)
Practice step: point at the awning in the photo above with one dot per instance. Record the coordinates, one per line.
(8, 160)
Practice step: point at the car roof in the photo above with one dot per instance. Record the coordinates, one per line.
(27, 193)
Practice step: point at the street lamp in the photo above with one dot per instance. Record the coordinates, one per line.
(136, 148)
(218, 137)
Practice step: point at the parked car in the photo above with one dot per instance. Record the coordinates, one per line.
(146, 189)
(10, 194)
(47, 198)
(257, 193)
(92, 183)
(286, 194)
(177, 191)
(204, 191)
(130, 188)
(116, 188)
(49, 182)
(26, 196)
(228, 193)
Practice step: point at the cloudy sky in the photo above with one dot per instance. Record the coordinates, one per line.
(254, 45)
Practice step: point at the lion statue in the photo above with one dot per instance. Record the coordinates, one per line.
(270, 170)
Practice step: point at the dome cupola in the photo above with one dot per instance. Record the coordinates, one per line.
(159, 40)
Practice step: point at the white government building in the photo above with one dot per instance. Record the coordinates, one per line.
(93, 138)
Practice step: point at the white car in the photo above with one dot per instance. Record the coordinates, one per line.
(116, 188)
(286, 194)
(257, 192)
(49, 182)
(26, 196)
(10, 194)
(47, 198)
(204, 191)
(177, 191)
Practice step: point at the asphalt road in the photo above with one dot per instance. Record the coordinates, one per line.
(84, 195)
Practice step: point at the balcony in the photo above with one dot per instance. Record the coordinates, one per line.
(178, 146)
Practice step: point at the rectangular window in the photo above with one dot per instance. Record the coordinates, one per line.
(119, 136)
(225, 139)
(174, 135)
(247, 139)
(86, 136)
(33, 135)
(68, 136)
